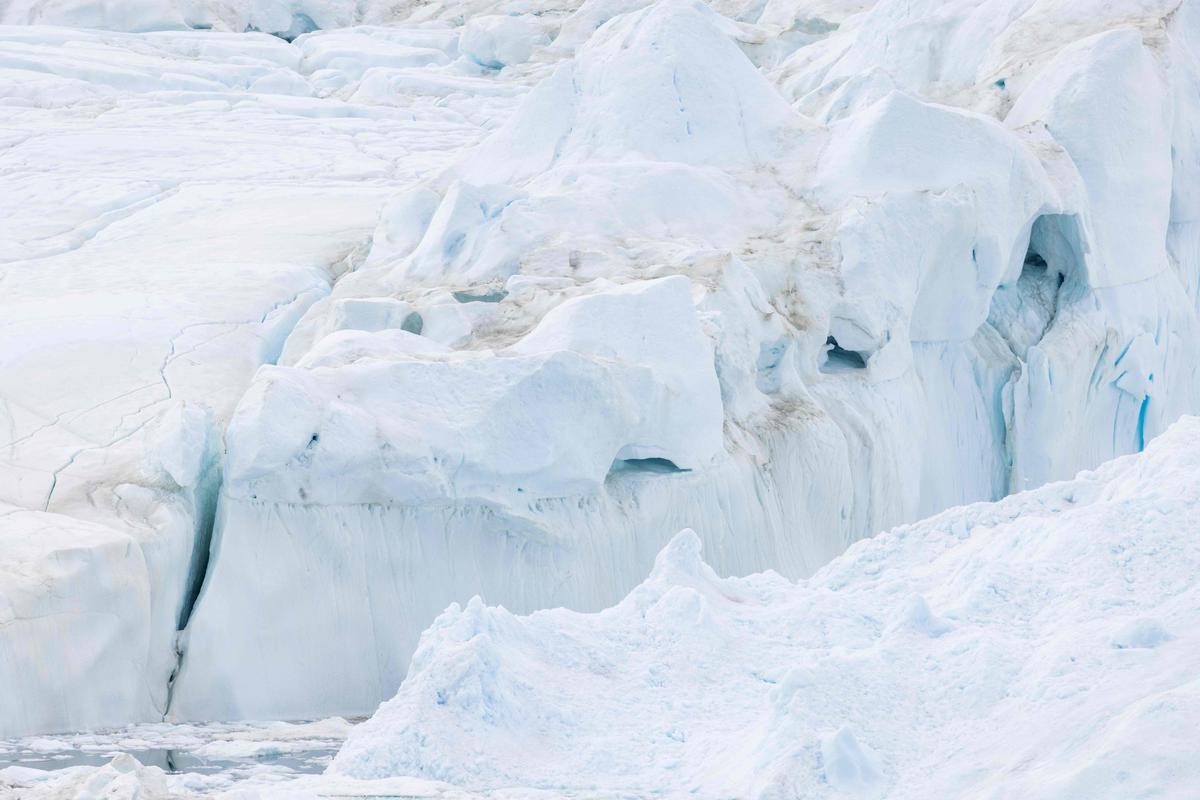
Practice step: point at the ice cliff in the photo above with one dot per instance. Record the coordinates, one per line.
(1040, 647)
(348, 325)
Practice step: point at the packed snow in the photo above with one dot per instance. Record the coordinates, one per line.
(321, 316)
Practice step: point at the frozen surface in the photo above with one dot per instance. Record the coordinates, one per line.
(1043, 646)
(162, 760)
(235, 748)
(909, 288)
(412, 302)
(171, 204)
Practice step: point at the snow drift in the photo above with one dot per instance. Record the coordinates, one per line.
(1042, 646)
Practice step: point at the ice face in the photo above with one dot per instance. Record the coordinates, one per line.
(1038, 646)
(484, 303)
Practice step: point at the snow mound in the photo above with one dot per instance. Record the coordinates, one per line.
(1042, 646)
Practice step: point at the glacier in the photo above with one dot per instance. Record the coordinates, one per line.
(1042, 646)
(908, 305)
(311, 335)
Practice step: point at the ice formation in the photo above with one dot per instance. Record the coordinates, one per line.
(1041, 647)
(351, 323)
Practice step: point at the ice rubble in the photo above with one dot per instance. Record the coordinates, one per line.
(1042, 646)
(786, 273)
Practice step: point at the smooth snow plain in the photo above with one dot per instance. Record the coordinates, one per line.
(308, 336)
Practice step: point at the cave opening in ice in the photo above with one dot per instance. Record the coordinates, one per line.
(839, 359)
(1053, 270)
(1056, 246)
(650, 466)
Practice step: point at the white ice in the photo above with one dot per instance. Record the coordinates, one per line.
(412, 303)
(1041, 647)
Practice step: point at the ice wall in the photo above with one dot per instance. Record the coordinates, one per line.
(914, 285)
(784, 273)
(1043, 647)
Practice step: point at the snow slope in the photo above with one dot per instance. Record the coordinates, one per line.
(347, 325)
(1042, 646)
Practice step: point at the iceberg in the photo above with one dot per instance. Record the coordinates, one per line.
(322, 316)
(888, 296)
(1042, 646)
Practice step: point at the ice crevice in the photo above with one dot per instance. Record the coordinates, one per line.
(209, 483)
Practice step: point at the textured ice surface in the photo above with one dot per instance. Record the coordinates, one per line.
(1043, 646)
(472, 298)
(172, 203)
(160, 760)
(898, 266)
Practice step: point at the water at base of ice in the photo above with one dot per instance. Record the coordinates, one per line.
(235, 751)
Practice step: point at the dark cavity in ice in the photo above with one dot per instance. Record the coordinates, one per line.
(839, 359)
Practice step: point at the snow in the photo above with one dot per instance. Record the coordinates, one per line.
(75, 599)
(1127, 169)
(497, 41)
(586, 367)
(308, 336)
(1042, 646)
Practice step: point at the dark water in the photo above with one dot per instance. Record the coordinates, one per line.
(174, 761)
(297, 748)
